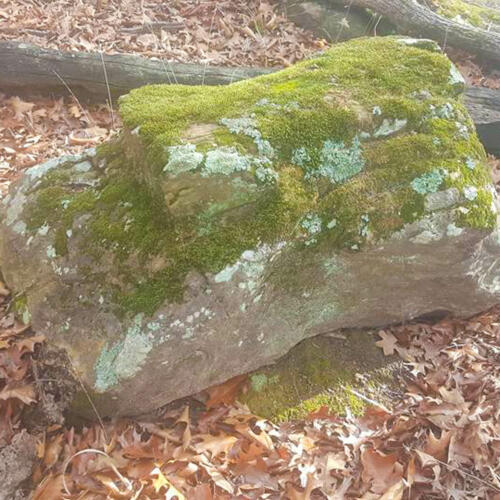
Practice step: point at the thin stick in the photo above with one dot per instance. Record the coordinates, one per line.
(101, 423)
(89, 118)
(368, 400)
(486, 483)
(209, 31)
(339, 33)
(109, 92)
(98, 452)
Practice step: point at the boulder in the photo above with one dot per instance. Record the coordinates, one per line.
(227, 224)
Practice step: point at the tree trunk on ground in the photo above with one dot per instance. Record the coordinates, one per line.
(27, 68)
(411, 17)
(484, 107)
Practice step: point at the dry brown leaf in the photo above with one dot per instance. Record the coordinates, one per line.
(50, 488)
(20, 107)
(215, 444)
(19, 390)
(381, 469)
(52, 450)
(225, 393)
(395, 492)
(161, 482)
(388, 342)
(437, 447)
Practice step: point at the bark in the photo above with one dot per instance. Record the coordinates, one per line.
(484, 107)
(30, 69)
(412, 17)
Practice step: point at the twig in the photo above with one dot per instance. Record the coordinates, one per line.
(468, 474)
(153, 26)
(82, 109)
(126, 481)
(101, 423)
(368, 400)
(109, 92)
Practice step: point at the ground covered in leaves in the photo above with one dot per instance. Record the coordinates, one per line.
(223, 32)
(441, 440)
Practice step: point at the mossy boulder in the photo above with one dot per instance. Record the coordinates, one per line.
(227, 224)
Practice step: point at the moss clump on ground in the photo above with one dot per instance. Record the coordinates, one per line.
(322, 153)
(321, 372)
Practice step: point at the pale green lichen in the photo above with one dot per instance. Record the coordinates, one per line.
(301, 157)
(311, 223)
(122, 360)
(182, 159)
(225, 160)
(338, 162)
(390, 127)
(248, 127)
(470, 192)
(429, 182)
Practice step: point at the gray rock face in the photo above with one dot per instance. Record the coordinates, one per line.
(255, 216)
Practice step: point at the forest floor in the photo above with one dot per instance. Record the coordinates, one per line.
(440, 440)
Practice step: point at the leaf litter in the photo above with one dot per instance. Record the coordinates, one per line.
(222, 32)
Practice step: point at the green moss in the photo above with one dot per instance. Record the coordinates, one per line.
(319, 372)
(20, 307)
(61, 241)
(478, 212)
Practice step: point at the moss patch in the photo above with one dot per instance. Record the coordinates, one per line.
(320, 371)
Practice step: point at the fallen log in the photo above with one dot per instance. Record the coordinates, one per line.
(95, 76)
(31, 69)
(412, 17)
(484, 107)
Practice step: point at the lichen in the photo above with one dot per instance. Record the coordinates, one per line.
(122, 360)
(429, 182)
(182, 159)
(338, 163)
(225, 160)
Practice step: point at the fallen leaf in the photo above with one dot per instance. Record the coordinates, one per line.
(19, 390)
(20, 107)
(388, 342)
(225, 393)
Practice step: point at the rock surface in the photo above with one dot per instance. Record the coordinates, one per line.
(227, 224)
(16, 462)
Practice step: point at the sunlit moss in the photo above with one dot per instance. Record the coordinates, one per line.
(320, 372)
